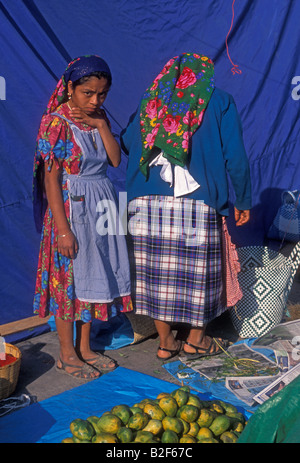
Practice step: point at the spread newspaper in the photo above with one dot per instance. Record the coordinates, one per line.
(253, 373)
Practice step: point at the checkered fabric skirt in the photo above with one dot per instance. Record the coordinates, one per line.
(176, 259)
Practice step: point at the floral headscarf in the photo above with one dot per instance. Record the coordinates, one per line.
(79, 67)
(172, 108)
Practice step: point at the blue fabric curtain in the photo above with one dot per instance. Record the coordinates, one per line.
(136, 38)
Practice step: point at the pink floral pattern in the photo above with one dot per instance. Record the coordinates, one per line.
(171, 123)
(186, 79)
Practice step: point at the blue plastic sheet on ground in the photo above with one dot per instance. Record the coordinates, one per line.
(218, 389)
(48, 421)
(113, 334)
(201, 384)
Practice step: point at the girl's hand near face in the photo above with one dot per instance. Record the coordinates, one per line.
(86, 101)
(97, 121)
(93, 120)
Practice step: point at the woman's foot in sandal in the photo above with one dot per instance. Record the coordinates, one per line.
(101, 362)
(167, 354)
(77, 370)
(209, 346)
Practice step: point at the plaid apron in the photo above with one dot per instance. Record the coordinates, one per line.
(176, 260)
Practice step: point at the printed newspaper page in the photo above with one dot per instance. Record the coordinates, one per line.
(277, 385)
(239, 360)
(284, 340)
(245, 387)
(250, 374)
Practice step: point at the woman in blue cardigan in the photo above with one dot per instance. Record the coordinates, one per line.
(182, 143)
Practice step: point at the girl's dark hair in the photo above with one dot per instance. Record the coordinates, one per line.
(97, 74)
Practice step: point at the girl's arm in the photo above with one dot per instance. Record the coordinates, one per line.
(66, 241)
(110, 144)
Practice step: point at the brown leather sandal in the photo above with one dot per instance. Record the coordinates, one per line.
(101, 363)
(85, 372)
(216, 346)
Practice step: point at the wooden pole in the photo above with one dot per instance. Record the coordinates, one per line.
(22, 325)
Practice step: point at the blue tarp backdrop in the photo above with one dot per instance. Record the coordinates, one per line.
(38, 38)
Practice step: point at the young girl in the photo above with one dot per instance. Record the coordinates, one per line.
(83, 270)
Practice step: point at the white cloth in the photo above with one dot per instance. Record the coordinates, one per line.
(182, 180)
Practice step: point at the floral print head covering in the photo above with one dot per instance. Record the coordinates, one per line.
(172, 108)
(79, 67)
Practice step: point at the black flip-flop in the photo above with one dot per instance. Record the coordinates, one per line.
(217, 346)
(172, 353)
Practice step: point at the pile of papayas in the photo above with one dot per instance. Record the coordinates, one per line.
(176, 417)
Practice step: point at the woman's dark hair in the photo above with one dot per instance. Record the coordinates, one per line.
(98, 74)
